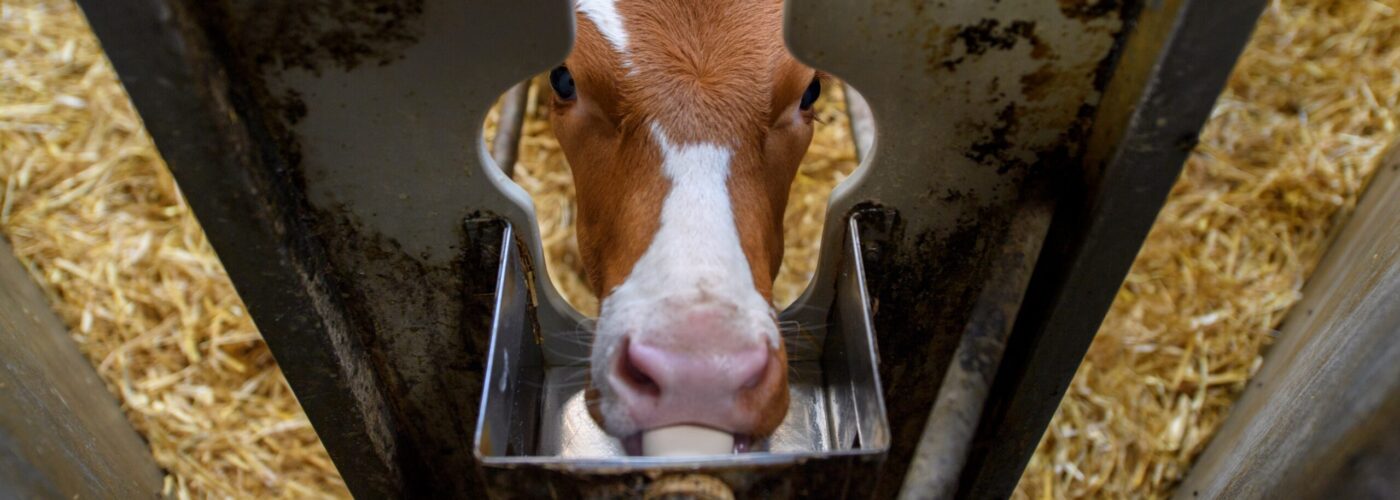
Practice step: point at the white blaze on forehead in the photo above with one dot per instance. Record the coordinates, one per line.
(603, 14)
(695, 257)
(694, 260)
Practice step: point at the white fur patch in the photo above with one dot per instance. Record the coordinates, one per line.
(694, 259)
(604, 15)
(695, 255)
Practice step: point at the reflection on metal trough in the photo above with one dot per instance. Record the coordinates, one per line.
(533, 412)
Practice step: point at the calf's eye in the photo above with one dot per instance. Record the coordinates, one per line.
(563, 83)
(814, 90)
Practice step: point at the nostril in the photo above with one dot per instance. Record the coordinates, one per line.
(757, 369)
(634, 375)
(644, 369)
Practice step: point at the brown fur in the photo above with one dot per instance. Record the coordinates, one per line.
(711, 71)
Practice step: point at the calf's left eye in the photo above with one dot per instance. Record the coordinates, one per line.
(814, 90)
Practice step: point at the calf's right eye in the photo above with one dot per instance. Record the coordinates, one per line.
(563, 83)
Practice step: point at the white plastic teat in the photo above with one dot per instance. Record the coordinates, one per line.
(686, 440)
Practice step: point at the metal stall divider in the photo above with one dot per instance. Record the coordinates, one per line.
(332, 152)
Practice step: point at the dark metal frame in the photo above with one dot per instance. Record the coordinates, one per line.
(62, 433)
(177, 78)
(1171, 71)
(394, 402)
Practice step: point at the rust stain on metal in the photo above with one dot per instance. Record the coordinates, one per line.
(978, 39)
(1088, 10)
(995, 148)
(1036, 85)
(1028, 105)
(1040, 50)
(987, 34)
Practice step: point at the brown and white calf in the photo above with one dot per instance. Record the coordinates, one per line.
(684, 122)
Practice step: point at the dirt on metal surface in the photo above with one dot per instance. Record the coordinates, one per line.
(431, 366)
(1089, 9)
(320, 34)
(1019, 85)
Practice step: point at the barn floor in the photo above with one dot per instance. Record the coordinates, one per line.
(91, 210)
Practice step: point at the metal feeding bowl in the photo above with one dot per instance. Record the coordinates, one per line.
(534, 418)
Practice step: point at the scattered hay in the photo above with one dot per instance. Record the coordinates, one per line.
(1307, 113)
(93, 213)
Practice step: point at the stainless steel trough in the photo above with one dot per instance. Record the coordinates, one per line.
(533, 413)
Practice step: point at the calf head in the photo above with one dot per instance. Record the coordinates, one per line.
(684, 122)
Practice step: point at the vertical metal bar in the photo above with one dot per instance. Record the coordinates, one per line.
(862, 122)
(505, 147)
(1173, 67)
(199, 119)
(948, 434)
(62, 435)
(974, 99)
(332, 154)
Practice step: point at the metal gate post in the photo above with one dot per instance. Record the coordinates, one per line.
(976, 105)
(1173, 67)
(62, 434)
(203, 122)
(331, 150)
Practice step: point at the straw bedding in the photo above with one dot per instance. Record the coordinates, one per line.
(1308, 111)
(92, 211)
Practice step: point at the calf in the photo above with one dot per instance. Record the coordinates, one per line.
(684, 122)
